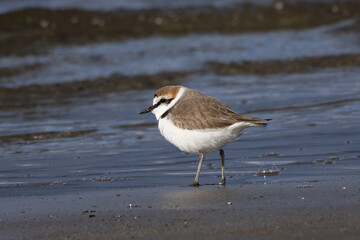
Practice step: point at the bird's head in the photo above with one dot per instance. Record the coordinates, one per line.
(164, 99)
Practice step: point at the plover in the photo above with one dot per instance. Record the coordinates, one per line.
(197, 123)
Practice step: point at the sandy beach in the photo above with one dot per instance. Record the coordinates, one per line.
(77, 161)
(321, 208)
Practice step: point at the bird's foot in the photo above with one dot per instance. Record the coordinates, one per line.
(222, 182)
(195, 184)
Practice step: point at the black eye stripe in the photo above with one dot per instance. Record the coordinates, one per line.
(163, 100)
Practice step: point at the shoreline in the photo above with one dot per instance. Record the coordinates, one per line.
(327, 208)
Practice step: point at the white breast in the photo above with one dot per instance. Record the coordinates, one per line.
(200, 141)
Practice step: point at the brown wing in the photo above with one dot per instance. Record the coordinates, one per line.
(199, 111)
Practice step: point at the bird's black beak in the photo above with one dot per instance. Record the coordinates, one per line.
(149, 109)
(146, 110)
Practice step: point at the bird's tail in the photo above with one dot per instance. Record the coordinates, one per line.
(261, 122)
(255, 122)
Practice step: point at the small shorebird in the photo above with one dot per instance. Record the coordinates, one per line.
(197, 123)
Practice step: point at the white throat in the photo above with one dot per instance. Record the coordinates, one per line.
(160, 110)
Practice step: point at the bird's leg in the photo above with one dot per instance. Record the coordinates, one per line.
(196, 182)
(223, 179)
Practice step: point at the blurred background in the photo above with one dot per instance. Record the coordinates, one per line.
(74, 74)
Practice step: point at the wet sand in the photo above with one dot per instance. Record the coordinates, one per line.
(306, 208)
(292, 66)
(34, 95)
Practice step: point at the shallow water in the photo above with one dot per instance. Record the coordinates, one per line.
(187, 53)
(52, 143)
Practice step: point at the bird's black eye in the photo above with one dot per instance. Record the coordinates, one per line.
(155, 95)
(167, 101)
